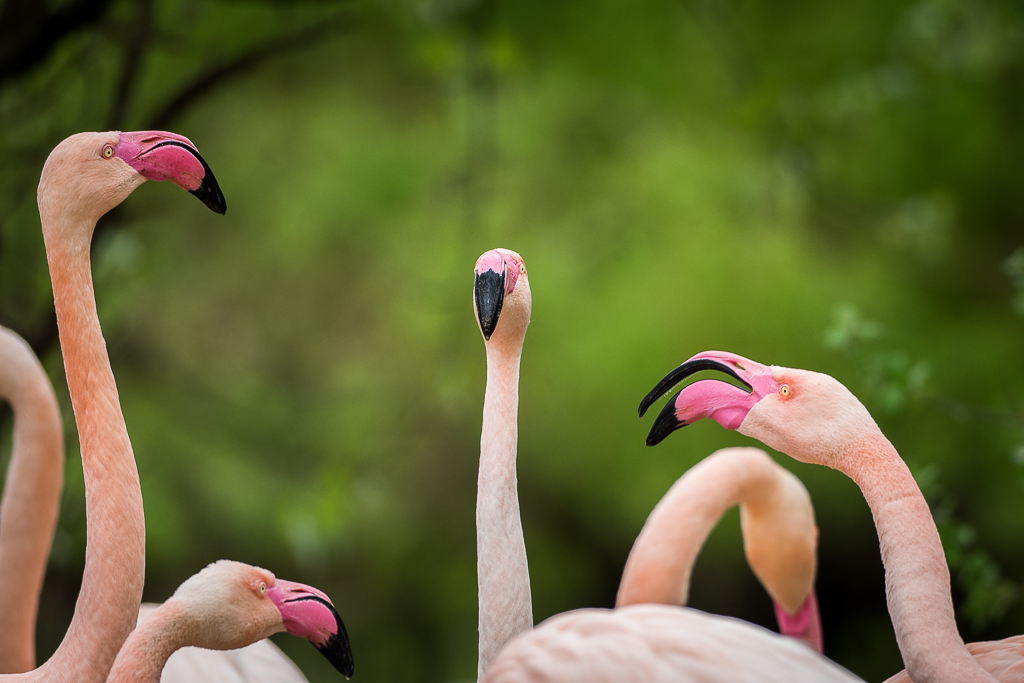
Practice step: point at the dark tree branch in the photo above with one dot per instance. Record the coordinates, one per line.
(216, 74)
(137, 43)
(27, 35)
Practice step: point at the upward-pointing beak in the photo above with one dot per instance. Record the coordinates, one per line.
(158, 155)
(489, 293)
(725, 403)
(308, 613)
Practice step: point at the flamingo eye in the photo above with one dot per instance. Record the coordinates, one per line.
(108, 152)
(522, 268)
(263, 588)
(784, 390)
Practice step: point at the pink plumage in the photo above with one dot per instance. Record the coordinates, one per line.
(658, 644)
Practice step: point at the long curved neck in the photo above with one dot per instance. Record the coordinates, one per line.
(145, 653)
(659, 565)
(115, 559)
(916, 575)
(503, 577)
(31, 499)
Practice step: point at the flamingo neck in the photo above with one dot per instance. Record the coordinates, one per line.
(503, 576)
(145, 653)
(659, 565)
(31, 498)
(115, 559)
(916, 576)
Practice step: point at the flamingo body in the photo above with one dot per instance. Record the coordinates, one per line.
(658, 644)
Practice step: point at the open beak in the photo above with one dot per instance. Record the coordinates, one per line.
(158, 155)
(308, 613)
(721, 401)
(489, 291)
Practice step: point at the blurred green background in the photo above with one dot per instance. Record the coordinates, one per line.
(830, 186)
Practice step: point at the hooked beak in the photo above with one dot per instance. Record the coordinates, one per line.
(489, 291)
(725, 403)
(158, 155)
(308, 613)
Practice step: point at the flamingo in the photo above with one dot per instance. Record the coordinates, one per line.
(634, 643)
(780, 537)
(85, 176)
(501, 292)
(230, 605)
(31, 498)
(813, 418)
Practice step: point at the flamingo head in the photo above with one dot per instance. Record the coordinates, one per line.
(231, 605)
(88, 174)
(807, 415)
(501, 285)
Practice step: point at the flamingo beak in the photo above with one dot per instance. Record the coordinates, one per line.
(489, 291)
(804, 624)
(308, 613)
(721, 401)
(158, 155)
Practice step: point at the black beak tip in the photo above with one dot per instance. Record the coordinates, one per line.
(338, 652)
(666, 423)
(487, 326)
(208, 191)
(337, 649)
(645, 405)
(213, 199)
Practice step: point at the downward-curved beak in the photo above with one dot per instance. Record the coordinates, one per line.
(158, 155)
(309, 613)
(721, 401)
(489, 291)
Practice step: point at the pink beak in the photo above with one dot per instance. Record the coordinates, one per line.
(158, 155)
(724, 403)
(309, 613)
(805, 625)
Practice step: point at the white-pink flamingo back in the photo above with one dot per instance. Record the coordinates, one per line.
(658, 644)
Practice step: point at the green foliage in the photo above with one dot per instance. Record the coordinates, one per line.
(987, 593)
(1014, 269)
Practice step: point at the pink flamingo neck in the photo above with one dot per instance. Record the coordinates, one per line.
(776, 519)
(659, 565)
(916, 575)
(145, 653)
(31, 498)
(115, 559)
(503, 576)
